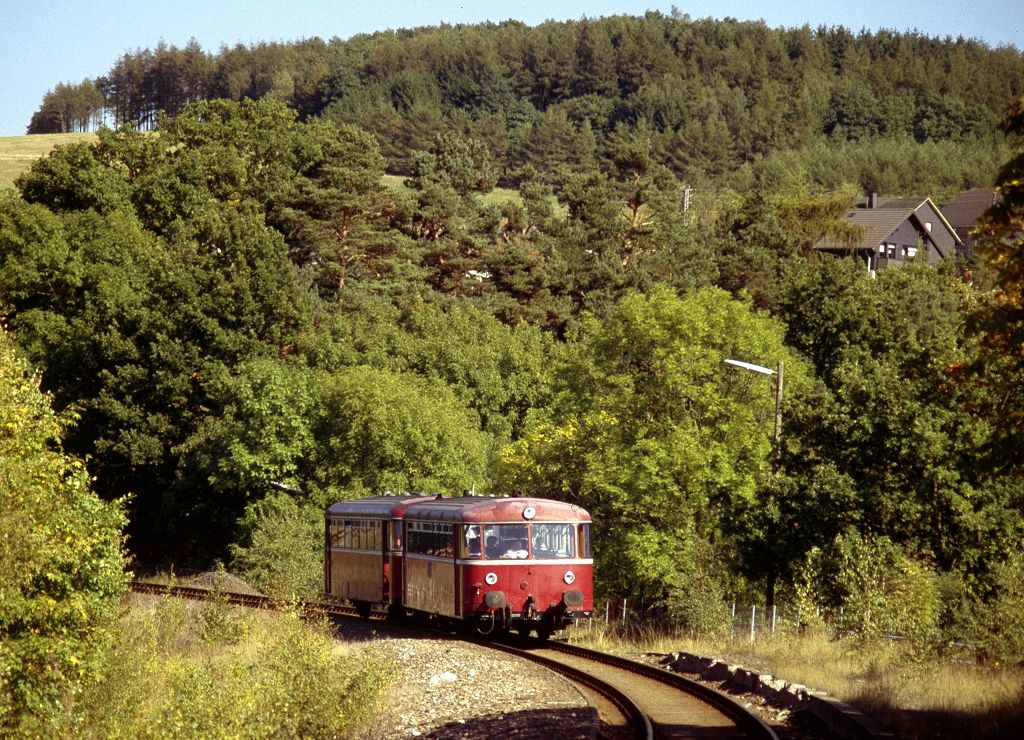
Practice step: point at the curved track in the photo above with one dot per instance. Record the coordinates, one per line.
(674, 706)
(634, 700)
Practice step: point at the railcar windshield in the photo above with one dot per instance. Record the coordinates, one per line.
(540, 541)
(553, 541)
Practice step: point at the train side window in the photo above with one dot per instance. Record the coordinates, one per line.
(584, 540)
(396, 534)
(431, 538)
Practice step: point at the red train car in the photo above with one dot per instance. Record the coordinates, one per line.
(494, 564)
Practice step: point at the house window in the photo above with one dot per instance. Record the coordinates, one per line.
(911, 252)
(890, 251)
(928, 226)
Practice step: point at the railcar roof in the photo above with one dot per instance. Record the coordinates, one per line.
(377, 506)
(494, 509)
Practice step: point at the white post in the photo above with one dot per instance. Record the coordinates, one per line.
(624, 612)
(753, 618)
(773, 620)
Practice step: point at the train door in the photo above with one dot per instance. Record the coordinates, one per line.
(394, 577)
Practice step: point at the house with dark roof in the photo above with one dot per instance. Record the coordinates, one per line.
(895, 231)
(964, 211)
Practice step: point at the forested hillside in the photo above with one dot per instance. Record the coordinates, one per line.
(708, 95)
(240, 321)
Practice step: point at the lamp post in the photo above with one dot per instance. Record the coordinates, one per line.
(770, 576)
(778, 391)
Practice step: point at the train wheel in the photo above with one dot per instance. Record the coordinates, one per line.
(362, 608)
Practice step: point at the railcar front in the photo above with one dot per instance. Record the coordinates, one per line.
(499, 564)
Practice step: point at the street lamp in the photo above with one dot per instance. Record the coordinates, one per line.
(771, 574)
(778, 391)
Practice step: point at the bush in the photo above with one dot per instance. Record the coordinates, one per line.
(60, 559)
(282, 550)
(870, 587)
(1000, 621)
(283, 678)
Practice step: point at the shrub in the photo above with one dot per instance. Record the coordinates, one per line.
(282, 678)
(282, 549)
(1000, 621)
(870, 587)
(60, 559)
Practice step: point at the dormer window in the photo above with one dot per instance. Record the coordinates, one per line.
(928, 226)
(911, 252)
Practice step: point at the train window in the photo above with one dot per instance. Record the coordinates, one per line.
(584, 537)
(470, 545)
(396, 534)
(431, 538)
(356, 534)
(553, 541)
(506, 541)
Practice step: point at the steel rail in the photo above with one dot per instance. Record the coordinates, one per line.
(636, 718)
(749, 722)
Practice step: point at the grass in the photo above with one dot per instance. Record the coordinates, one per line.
(918, 696)
(180, 669)
(493, 198)
(17, 153)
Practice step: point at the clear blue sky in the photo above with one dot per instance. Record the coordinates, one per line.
(45, 43)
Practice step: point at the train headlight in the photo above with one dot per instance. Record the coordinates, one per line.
(569, 577)
(495, 599)
(573, 597)
(491, 578)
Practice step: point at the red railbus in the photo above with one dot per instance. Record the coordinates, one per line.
(493, 564)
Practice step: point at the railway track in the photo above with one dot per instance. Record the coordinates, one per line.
(633, 700)
(657, 703)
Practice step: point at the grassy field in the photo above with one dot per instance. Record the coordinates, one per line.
(17, 153)
(495, 197)
(917, 695)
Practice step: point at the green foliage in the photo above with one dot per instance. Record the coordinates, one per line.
(497, 371)
(462, 164)
(713, 94)
(999, 320)
(60, 553)
(263, 433)
(68, 108)
(652, 432)
(871, 588)
(887, 420)
(999, 620)
(377, 430)
(280, 549)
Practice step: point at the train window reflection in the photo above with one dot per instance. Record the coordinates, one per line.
(471, 544)
(553, 541)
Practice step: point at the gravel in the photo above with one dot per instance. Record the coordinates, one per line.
(452, 689)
